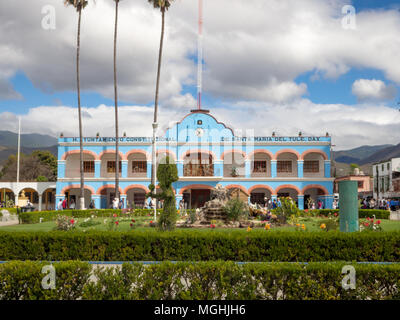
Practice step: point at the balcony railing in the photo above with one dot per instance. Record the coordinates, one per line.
(198, 170)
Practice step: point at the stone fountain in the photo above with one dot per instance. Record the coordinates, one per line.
(214, 209)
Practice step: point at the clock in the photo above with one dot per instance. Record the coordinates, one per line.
(199, 132)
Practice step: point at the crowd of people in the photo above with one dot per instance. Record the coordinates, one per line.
(381, 204)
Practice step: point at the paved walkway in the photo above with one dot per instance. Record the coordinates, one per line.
(8, 223)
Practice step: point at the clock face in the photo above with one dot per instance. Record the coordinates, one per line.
(199, 132)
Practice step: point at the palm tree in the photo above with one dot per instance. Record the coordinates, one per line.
(79, 5)
(116, 103)
(162, 5)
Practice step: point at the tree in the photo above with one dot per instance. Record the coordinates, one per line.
(79, 5)
(116, 103)
(162, 5)
(353, 167)
(47, 158)
(32, 167)
(167, 173)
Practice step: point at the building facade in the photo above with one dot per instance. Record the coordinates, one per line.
(207, 153)
(387, 179)
(364, 182)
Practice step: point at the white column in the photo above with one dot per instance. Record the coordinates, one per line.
(40, 202)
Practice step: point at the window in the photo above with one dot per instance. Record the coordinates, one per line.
(111, 166)
(88, 166)
(284, 166)
(139, 166)
(388, 166)
(360, 184)
(199, 122)
(311, 166)
(260, 166)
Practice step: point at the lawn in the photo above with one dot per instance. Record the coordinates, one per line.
(142, 223)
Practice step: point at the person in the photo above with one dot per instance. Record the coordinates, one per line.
(274, 205)
(149, 204)
(72, 204)
(334, 205)
(121, 204)
(319, 204)
(60, 205)
(91, 205)
(29, 204)
(64, 204)
(115, 203)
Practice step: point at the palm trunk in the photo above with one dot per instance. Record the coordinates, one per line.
(82, 189)
(155, 124)
(116, 104)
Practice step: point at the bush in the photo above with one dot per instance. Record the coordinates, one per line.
(200, 281)
(363, 213)
(34, 217)
(235, 209)
(23, 280)
(201, 245)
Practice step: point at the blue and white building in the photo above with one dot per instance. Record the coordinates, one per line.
(207, 152)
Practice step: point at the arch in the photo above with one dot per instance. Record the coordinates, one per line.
(170, 153)
(252, 153)
(77, 186)
(198, 151)
(262, 186)
(68, 153)
(135, 186)
(111, 151)
(195, 186)
(237, 186)
(133, 151)
(278, 153)
(289, 186)
(316, 186)
(158, 187)
(322, 153)
(108, 186)
(233, 151)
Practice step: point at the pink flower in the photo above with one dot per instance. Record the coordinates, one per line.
(378, 222)
(116, 222)
(72, 221)
(114, 215)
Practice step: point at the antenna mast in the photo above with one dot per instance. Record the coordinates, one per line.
(200, 55)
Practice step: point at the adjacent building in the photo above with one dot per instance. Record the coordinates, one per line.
(387, 179)
(207, 152)
(364, 184)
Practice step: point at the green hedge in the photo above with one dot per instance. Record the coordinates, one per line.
(199, 281)
(363, 213)
(200, 245)
(34, 217)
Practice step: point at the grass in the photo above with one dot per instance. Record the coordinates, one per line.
(142, 223)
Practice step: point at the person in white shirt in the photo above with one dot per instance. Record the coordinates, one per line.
(59, 206)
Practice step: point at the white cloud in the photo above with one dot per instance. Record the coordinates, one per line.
(375, 90)
(253, 50)
(350, 126)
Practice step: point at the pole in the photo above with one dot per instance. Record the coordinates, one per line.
(154, 160)
(19, 148)
(200, 55)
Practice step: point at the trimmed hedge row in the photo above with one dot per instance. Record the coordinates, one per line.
(200, 281)
(362, 213)
(200, 245)
(34, 217)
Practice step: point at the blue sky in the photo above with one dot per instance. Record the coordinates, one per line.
(290, 59)
(336, 91)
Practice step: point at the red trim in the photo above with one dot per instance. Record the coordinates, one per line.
(108, 186)
(77, 186)
(130, 152)
(198, 151)
(233, 151)
(136, 186)
(287, 151)
(314, 151)
(68, 153)
(252, 153)
(235, 186)
(289, 186)
(262, 186)
(195, 186)
(111, 151)
(316, 186)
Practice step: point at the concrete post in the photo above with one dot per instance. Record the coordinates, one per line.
(247, 168)
(97, 168)
(300, 202)
(348, 206)
(300, 165)
(40, 203)
(327, 168)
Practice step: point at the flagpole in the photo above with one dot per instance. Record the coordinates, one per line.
(19, 148)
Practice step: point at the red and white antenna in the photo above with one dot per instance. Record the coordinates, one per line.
(200, 55)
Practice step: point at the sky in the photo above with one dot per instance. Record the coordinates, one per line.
(269, 66)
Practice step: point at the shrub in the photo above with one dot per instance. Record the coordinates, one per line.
(216, 280)
(199, 245)
(287, 210)
(64, 223)
(235, 209)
